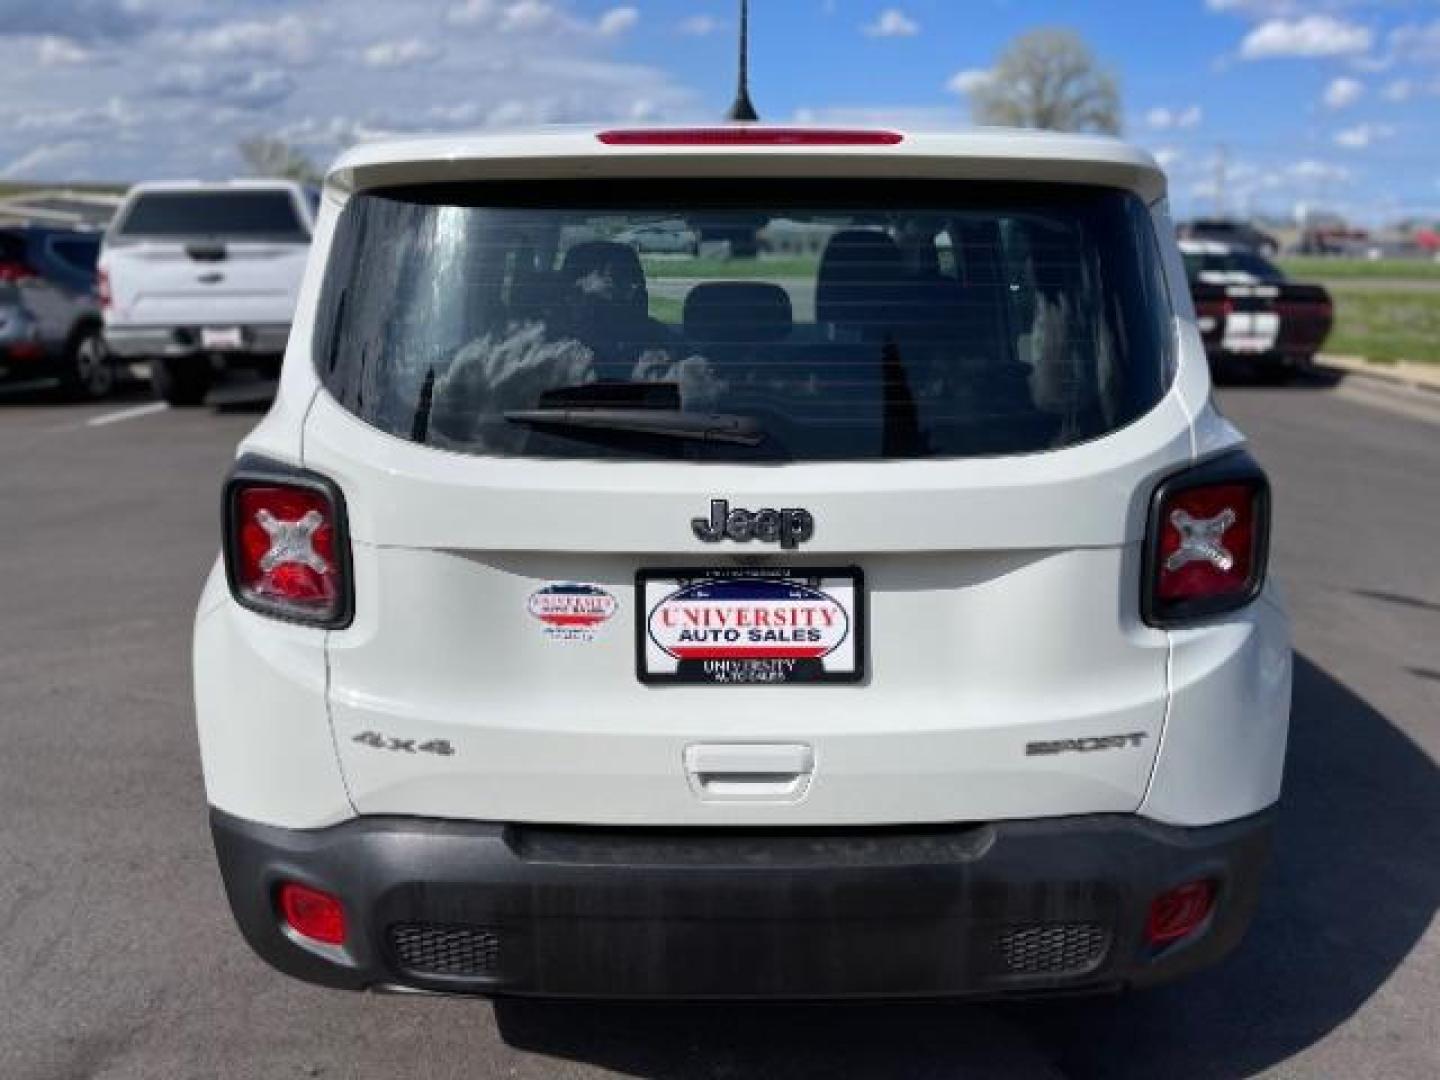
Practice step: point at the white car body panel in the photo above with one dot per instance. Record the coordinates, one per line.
(1003, 594)
(155, 283)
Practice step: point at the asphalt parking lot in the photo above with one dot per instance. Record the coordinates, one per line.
(119, 958)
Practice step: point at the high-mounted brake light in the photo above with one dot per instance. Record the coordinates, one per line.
(286, 552)
(1208, 541)
(749, 136)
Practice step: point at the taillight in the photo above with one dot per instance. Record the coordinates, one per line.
(15, 272)
(1208, 542)
(286, 550)
(312, 913)
(102, 289)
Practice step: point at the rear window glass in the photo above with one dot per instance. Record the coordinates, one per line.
(1232, 267)
(239, 215)
(745, 322)
(79, 254)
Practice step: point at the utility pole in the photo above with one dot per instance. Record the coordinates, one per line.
(743, 109)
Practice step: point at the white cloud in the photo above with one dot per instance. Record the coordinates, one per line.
(1362, 135)
(240, 87)
(84, 20)
(535, 17)
(1161, 118)
(892, 22)
(1417, 42)
(1311, 171)
(969, 80)
(41, 162)
(1309, 36)
(617, 21)
(1343, 92)
(285, 38)
(61, 52)
(402, 53)
(1168, 157)
(1398, 90)
(699, 26)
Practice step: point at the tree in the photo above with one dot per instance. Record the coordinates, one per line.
(1049, 79)
(267, 156)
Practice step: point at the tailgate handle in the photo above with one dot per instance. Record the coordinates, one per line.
(749, 772)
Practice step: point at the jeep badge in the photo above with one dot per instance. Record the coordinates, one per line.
(790, 527)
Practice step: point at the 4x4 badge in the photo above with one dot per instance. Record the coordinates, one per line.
(789, 528)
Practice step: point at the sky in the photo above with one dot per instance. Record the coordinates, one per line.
(1252, 106)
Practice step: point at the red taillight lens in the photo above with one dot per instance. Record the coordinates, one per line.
(741, 135)
(102, 288)
(1208, 543)
(312, 914)
(1179, 912)
(285, 547)
(15, 272)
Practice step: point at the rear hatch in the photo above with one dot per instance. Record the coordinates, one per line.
(207, 257)
(848, 532)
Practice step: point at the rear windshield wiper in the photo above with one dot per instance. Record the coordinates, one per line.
(671, 423)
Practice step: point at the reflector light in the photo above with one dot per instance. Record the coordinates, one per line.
(749, 136)
(1179, 912)
(312, 914)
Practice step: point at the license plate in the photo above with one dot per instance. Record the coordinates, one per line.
(748, 625)
(222, 339)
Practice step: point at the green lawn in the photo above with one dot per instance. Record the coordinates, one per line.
(1311, 268)
(1386, 326)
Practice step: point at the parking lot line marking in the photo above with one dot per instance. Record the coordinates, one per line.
(133, 413)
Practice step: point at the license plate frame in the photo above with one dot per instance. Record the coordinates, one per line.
(734, 663)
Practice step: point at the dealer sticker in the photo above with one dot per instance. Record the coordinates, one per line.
(751, 626)
(572, 611)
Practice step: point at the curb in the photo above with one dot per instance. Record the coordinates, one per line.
(1395, 374)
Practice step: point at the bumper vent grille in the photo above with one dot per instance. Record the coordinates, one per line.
(427, 949)
(1055, 949)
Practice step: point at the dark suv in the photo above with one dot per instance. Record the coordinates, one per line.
(52, 294)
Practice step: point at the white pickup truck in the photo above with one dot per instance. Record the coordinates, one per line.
(197, 276)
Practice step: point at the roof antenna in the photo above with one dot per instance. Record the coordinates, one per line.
(743, 109)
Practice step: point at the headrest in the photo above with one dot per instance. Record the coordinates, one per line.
(858, 276)
(737, 311)
(605, 273)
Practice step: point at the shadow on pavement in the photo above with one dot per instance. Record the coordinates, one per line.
(1315, 378)
(1354, 885)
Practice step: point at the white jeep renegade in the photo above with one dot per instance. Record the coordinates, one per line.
(868, 600)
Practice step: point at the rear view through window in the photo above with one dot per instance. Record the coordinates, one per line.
(746, 322)
(226, 215)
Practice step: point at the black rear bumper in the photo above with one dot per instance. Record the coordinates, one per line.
(1007, 908)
